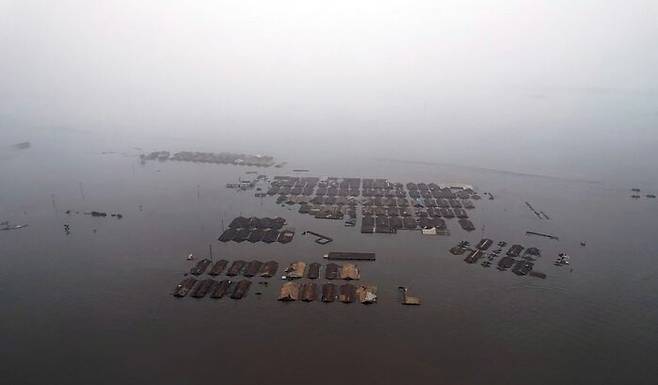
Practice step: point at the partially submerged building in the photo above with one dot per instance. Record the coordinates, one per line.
(350, 271)
(296, 270)
(367, 294)
(289, 292)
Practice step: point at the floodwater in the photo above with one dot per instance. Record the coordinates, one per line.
(95, 306)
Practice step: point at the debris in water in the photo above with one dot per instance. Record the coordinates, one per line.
(7, 226)
(406, 298)
(22, 146)
(542, 235)
(321, 239)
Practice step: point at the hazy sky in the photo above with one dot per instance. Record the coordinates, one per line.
(541, 71)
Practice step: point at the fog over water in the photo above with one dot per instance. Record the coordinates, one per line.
(549, 102)
(547, 87)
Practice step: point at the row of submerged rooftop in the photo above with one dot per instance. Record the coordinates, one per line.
(385, 206)
(210, 157)
(256, 229)
(333, 186)
(299, 277)
(520, 259)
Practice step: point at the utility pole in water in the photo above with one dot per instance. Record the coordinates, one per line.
(82, 192)
(52, 196)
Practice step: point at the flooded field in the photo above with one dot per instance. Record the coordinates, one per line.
(92, 302)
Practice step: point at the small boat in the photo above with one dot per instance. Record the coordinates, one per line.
(7, 226)
(563, 259)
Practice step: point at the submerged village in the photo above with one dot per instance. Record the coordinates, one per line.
(370, 206)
